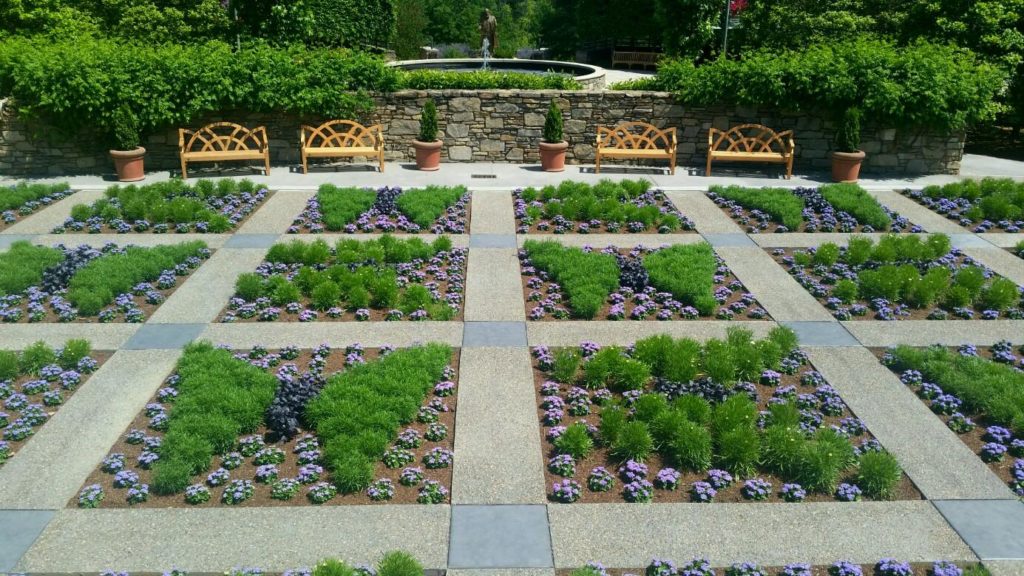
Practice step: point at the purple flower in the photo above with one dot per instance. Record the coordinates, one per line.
(756, 489)
(702, 492)
(848, 492)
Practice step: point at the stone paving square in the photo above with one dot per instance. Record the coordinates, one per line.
(729, 240)
(500, 537)
(7, 239)
(264, 241)
(164, 336)
(492, 241)
(494, 334)
(18, 530)
(822, 334)
(994, 529)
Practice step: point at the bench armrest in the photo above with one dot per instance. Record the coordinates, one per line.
(181, 138)
(378, 132)
(711, 138)
(673, 141)
(787, 141)
(260, 132)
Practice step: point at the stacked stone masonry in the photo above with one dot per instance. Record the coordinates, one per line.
(506, 126)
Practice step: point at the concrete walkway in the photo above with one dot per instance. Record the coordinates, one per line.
(499, 521)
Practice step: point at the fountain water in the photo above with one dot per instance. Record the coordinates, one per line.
(487, 54)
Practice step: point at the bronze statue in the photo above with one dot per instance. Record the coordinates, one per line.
(489, 30)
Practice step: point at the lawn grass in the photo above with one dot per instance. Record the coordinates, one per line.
(341, 206)
(14, 197)
(687, 271)
(23, 264)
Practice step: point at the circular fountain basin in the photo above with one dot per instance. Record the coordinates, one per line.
(590, 77)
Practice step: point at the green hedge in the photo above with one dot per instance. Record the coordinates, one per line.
(482, 80)
(922, 85)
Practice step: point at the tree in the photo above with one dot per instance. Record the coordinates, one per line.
(410, 29)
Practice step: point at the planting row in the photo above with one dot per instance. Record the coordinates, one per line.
(576, 207)
(394, 563)
(685, 281)
(172, 206)
(831, 208)
(265, 428)
(978, 393)
(41, 284)
(23, 199)
(438, 209)
(35, 383)
(381, 279)
(728, 420)
(702, 567)
(991, 204)
(902, 277)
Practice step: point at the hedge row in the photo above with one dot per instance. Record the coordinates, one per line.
(923, 85)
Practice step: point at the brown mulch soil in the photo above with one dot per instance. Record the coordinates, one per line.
(919, 568)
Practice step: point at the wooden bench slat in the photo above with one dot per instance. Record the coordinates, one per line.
(341, 139)
(646, 143)
(751, 143)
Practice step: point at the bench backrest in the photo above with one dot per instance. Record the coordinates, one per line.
(223, 137)
(636, 136)
(341, 134)
(750, 138)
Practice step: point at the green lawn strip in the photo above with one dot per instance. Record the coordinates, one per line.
(688, 272)
(994, 199)
(607, 201)
(781, 204)
(989, 388)
(16, 196)
(97, 283)
(359, 411)
(425, 205)
(171, 202)
(856, 202)
(586, 278)
(219, 398)
(23, 265)
(341, 206)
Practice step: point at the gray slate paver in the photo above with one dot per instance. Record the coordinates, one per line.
(277, 213)
(7, 239)
(164, 336)
(1002, 239)
(494, 290)
(494, 334)
(619, 240)
(492, 212)
(252, 241)
(18, 530)
(774, 288)
(706, 215)
(968, 241)
(1000, 261)
(500, 537)
(938, 462)
(492, 241)
(42, 221)
(729, 240)
(822, 334)
(310, 334)
(916, 213)
(213, 241)
(625, 332)
(206, 292)
(213, 539)
(993, 528)
(82, 432)
(627, 535)
(497, 442)
(927, 332)
(102, 336)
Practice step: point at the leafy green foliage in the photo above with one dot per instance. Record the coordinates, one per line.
(425, 205)
(398, 563)
(97, 283)
(586, 278)
(219, 397)
(607, 200)
(781, 204)
(170, 202)
(428, 122)
(23, 264)
(553, 124)
(341, 206)
(484, 80)
(687, 271)
(856, 202)
(73, 351)
(36, 356)
(14, 197)
(358, 412)
(879, 474)
(993, 199)
(633, 442)
(575, 441)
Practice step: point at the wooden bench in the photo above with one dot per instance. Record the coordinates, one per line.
(223, 141)
(629, 58)
(751, 143)
(636, 140)
(341, 139)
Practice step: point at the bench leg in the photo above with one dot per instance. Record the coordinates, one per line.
(305, 168)
(707, 171)
(184, 169)
(789, 168)
(597, 164)
(266, 162)
(381, 160)
(672, 165)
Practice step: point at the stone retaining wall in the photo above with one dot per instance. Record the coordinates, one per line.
(505, 126)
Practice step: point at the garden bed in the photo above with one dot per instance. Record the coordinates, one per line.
(21, 200)
(831, 208)
(902, 277)
(35, 383)
(727, 421)
(165, 207)
(685, 281)
(436, 209)
(380, 279)
(261, 428)
(1018, 250)
(977, 392)
(85, 284)
(627, 206)
(988, 205)
(702, 567)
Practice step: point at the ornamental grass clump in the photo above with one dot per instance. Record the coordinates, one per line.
(615, 205)
(22, 265)
(586, 278)
(988, 203)
(686, 271)
(855, 201)
(781, 204)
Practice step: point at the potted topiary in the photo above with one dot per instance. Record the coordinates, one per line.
(553, 146)
(128, 158)
(428, 147)
(848, 156)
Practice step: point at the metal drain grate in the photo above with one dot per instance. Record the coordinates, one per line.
(483, 176)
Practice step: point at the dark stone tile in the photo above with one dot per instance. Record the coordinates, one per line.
(500, 537)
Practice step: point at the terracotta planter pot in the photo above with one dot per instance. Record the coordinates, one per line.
(552, 156)
(129, 164)
(846, 166)
(428, 154)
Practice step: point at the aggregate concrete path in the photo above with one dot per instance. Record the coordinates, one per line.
(498, 485)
